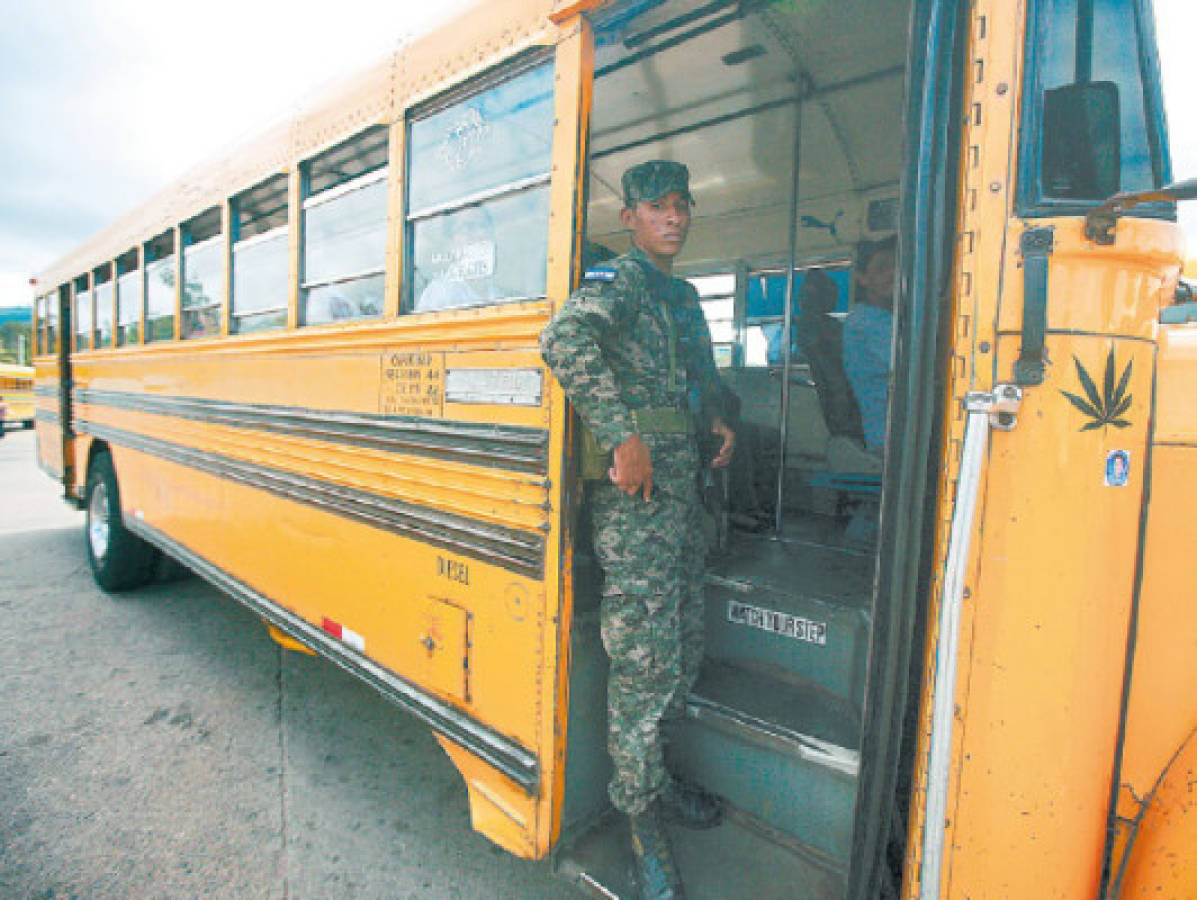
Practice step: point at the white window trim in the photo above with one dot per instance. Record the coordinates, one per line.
(347, 187)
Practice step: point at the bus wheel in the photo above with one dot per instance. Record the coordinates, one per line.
(119, 559)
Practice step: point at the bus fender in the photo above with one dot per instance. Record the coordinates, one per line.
(1160, 861)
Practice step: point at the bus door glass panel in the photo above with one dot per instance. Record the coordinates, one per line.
(203, 276)
(104, 300)
(83, 314)
(160, 288)
(261, 254)
(478, 199)
(129, 289)
(345, 231)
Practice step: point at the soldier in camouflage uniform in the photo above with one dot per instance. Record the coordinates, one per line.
(632, 350)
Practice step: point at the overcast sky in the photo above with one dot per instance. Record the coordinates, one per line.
(103, 103)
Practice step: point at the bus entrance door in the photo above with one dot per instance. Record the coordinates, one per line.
(788, 180)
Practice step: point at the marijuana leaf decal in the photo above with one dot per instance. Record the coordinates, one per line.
(1107, 407)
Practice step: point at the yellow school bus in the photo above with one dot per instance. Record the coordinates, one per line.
(16, 391)
(947, 652)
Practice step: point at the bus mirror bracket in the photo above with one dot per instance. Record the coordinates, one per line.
(1001, 405)
(1101, 222)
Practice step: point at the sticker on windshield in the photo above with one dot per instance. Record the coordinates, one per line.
(779, 623)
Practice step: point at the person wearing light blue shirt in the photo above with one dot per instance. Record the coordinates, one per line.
(868, 337)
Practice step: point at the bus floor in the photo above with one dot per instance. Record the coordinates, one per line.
(773, 725)
(738, 858)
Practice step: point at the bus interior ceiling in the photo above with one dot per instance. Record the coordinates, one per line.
(744, 96)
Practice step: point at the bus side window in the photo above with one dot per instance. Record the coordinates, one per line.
(129, 291)
(260, 257)
(52, 320)
(203, 275)
(104, 296)
(478, 200)
(345, 231)
(717, 294)
(160, 288)
(83, 313)
(39, 333)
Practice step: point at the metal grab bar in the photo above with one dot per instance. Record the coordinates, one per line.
(997, 409)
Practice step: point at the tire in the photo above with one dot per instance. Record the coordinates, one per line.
(119, 559)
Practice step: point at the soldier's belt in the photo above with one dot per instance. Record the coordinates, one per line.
(662, 420)
(651, 420)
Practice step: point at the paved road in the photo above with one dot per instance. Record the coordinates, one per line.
(159, 744)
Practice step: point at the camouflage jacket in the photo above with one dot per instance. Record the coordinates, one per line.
(609, 347)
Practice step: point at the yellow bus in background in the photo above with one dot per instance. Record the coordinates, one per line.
(309, 372)
(16, 391)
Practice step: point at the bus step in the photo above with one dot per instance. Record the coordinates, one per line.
(740, 858)
(785, 755)
(822, 641)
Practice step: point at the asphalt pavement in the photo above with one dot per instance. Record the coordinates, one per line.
(159, 744)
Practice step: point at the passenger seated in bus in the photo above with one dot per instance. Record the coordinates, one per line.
(464, 263)
(868, 334)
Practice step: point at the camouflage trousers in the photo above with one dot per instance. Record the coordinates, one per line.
(652, 555)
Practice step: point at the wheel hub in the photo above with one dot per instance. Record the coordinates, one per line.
(97, 521)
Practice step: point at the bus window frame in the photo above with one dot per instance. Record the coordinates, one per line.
(505, 71)
(261, 237)
(1029, 201)
(202, 224)
(122, 270)
(313, 201)
(96, 284)
(737, 272)
(151, 255)
(51, 322)
(39, 325)
(287, 229)
(76, 344)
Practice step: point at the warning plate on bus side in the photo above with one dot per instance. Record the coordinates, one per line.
(504, 387)
(779, 623)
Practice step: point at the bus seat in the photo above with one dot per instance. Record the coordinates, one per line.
(821, 340)
(759, 390)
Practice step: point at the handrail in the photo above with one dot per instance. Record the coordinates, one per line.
(997, 409)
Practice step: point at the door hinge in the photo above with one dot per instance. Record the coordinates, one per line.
(1001, 404)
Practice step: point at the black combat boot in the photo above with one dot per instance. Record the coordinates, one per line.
(690, 806)
(656, 873)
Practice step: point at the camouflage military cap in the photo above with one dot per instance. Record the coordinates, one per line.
(654, 179)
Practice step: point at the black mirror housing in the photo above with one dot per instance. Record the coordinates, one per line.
(1082, 144)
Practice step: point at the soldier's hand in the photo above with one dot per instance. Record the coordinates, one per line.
(724, 456)
(633, 469)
